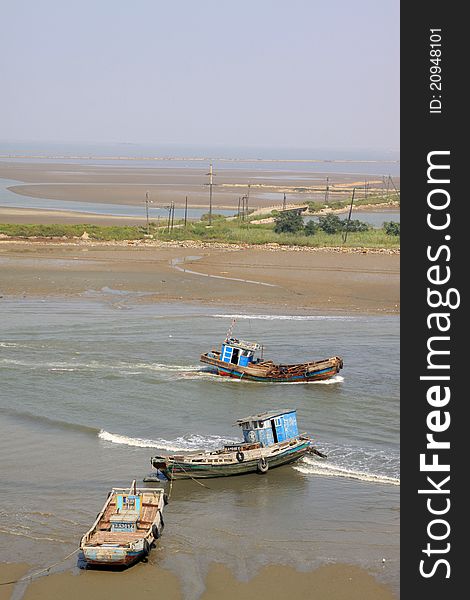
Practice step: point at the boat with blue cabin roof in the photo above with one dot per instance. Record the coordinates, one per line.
(127, 527)
(270, 439)
(238, 359)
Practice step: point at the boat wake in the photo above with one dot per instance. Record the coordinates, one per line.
(334, 379)
(362, 464)
(179, 444)
(120, 368)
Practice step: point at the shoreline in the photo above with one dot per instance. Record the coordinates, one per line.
(339, 581)
(333, 280)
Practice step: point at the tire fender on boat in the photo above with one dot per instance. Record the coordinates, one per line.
(155, 531)
(240, 456)
(263, 465)
(146, 551)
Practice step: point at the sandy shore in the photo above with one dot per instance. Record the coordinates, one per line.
(51, 217)
(273, 277)
(148, 581)
(121, 184)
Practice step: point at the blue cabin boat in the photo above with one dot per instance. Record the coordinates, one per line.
(237, 358)
(270, 439)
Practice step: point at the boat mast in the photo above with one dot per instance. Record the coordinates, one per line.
(230, 329)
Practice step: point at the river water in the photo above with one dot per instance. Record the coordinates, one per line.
(92, 388)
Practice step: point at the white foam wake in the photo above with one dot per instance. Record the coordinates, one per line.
(311, 466)
(96, 366)
(179, 444)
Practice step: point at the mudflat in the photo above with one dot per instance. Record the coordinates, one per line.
(336, 581)
(123, 184)
(301, 279)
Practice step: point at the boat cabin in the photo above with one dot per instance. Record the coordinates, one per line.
(270, 427)
(238, 352)
(128, 507)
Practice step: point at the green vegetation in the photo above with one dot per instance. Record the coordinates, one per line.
(224, 231)
(95, 232)
(288, 222)
(310, 228)
(315, 207)
(392, 228)
(330, 223)
(215, 217)
(333, 224)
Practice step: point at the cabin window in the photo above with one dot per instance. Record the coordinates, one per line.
(234, 359)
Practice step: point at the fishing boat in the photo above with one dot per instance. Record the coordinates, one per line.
(126, 528)
(270, 439)
(238, 359)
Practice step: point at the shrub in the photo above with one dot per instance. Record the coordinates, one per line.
(215, 217)
(392, 228)
(288, 222)
(356, 225)
(330, 223)
(310, 228)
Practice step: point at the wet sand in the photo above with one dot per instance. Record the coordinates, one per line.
(51, 217)
(271, 277)
(121, 184)
(335, 582)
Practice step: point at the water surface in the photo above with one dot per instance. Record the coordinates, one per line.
(92, 388)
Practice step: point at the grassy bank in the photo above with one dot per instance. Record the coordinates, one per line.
(316, 207)
(221, 231)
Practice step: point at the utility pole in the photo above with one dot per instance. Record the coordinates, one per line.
(327, 190)
(172, 214)
(284, 202)
(394, 186)
(147, 201)
(210, 193)
(345, 236)
(169, 218)
(185, 212)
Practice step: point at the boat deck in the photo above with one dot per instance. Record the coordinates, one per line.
(104, 535)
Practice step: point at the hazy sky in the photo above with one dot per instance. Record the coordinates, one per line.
(274, 73)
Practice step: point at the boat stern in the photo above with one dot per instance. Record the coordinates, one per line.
(113, 555)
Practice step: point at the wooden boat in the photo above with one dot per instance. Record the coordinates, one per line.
(126, 528)
(270, 439)
(237, 358)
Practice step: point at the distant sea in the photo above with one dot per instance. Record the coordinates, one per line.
(326, 160)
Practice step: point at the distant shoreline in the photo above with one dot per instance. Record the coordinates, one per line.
(194, 158)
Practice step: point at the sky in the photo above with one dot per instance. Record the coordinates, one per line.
(258, 73)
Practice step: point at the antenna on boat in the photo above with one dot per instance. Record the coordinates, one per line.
(133, 489)
(230, 329)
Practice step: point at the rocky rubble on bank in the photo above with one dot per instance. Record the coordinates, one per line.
(273, 247)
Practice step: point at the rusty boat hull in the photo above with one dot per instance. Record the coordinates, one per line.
(268, 372)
